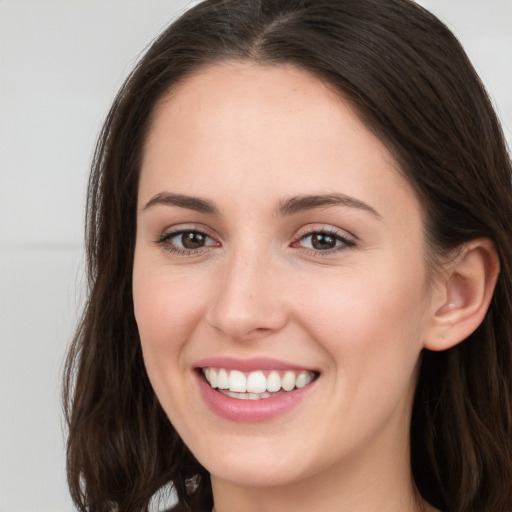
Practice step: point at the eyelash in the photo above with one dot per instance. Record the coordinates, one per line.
(344, 242)
(165, 241)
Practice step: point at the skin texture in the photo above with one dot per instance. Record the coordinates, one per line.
(247, 138)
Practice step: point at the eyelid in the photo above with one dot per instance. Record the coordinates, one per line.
(348, 239)
(325, 228)
(163, 239)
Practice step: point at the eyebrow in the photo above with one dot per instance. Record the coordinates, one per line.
(309, 202)
(182, 201)
(286, 207)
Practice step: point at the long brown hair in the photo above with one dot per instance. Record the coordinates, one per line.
(412, 84)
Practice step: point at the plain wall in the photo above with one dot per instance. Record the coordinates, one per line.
(61, 63)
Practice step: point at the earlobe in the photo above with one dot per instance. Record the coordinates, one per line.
(464, 294)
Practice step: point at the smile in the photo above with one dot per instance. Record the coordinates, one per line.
(258, 384)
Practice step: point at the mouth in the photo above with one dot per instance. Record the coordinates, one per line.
(256, 385)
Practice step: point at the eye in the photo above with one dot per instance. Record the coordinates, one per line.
(186, 241)
(324, 241)
(189, 240)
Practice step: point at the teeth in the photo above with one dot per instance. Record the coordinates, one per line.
(223, 379)
(288, 381)
(246, 396)
(255, 385)
(212, 378)
(273, 382)
(256, 382)
(237, 381)
(303, 379)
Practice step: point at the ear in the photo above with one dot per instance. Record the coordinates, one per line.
(462, 294)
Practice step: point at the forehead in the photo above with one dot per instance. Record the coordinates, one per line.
(277, 128)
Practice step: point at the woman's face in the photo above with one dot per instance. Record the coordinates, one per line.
(278, 246)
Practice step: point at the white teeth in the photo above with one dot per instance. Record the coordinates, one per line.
(246, 396)
(256, 382)
(237, 381)
(273, 382)
(213, 378)
(303, 379)
(222, 379)
(255, 385)
(288, 381)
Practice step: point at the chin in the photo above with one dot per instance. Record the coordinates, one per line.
(259, 465)
(251, 474)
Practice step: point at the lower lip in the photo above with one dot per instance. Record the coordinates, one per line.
(251, 411)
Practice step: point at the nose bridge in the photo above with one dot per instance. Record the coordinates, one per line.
(247, 302)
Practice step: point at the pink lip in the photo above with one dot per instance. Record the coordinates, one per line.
(248, 365)
(249, 411)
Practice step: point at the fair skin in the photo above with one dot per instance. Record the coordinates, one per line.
(231, 262)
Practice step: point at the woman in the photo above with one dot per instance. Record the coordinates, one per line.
(299, 266)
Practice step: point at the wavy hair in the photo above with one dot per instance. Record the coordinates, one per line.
(411, 83)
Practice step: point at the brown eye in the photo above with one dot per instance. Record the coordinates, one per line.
(323, 241)
(192, 240)
(186, 241)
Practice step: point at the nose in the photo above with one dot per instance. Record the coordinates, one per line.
(248, 302)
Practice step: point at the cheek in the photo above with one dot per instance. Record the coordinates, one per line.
(167, 308)
(167, 311)
(371, 328)
(371, 322)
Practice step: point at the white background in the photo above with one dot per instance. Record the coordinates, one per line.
(61, 63)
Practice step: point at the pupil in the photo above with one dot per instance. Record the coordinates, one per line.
(322, 241)
(192, 240)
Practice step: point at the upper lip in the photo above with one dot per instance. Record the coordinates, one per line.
(249, 365)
